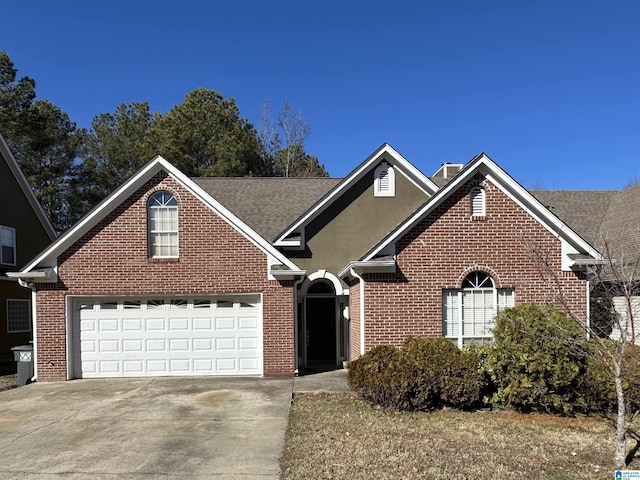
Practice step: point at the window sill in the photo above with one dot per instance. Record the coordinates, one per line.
(163, 259)
(479, 218)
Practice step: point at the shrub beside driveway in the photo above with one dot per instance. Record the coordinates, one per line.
(335, 436)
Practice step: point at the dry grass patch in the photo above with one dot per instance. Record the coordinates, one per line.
(8, 381)
(335, 436)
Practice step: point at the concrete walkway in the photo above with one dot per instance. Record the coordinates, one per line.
(334, 381)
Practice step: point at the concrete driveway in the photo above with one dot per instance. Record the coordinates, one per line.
(221, 428)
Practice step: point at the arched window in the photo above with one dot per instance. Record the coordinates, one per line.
(162, 225)
(469, 313)
(384, 183)
(477, 202)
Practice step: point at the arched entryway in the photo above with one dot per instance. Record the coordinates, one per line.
(322, 339)
(320, 326)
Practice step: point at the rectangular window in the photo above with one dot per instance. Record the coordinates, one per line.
(163, 232)
(469, 315)
(7, 245)
(18, 316)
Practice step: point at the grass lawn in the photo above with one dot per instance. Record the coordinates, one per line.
(335, 436)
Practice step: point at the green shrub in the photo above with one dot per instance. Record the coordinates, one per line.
(480, 354)
(599, 388)
(371, 375)
(433, 372)
(539, 361)
(426, 373)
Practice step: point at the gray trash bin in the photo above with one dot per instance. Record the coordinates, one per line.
(23, 354)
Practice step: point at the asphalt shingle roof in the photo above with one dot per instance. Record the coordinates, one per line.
(267, 204)
(271, 204)
(583, 211)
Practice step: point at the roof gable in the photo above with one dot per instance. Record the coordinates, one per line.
(265, 203)
(158, 164)
(483, 164)
(383, 153)
(11, 162)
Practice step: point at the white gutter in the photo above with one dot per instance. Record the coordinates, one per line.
(588, 319)
(369, 266)
(361, 280)
(44, 276)
(34, 355)
(287, 274)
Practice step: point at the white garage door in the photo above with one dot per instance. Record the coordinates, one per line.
(174, 336)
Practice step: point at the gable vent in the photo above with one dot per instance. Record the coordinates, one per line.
(384, 181)
(477, 202)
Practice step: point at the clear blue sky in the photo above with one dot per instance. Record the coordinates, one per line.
(549, 89)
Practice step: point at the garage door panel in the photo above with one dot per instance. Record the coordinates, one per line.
(203, 324)
(168, 337)
(248, 343)
(156, 324)
(131, 324)
(247, 323)
(178, 324)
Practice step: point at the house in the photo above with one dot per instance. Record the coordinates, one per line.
(24, 232)
(172, 275)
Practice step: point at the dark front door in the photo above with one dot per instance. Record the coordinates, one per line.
(321, 332)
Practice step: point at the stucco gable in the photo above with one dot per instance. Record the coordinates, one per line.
(292, 236)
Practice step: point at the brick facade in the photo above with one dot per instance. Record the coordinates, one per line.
(443, 248)
(214, 259)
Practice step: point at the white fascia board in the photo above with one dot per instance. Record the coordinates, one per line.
(241, 227)
(26, 189)
(126, 190)
(393, 158)
(101, 210)
(536, 209)
(507, 185)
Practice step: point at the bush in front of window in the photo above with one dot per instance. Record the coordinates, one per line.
(539, 360)
(425, 374)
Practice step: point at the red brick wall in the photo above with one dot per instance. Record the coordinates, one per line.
(354, 319)
(447, 245)
(111, 259)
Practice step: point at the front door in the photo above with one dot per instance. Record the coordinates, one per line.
(321, 332)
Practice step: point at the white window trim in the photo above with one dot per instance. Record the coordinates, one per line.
(21, 300)
(384, 170)
(13, 231)
(460, 337)
(151, 233)
(477, 195)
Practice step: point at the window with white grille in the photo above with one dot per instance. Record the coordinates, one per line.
(469, 313)
(163, 225)
(18, 316)
(384, 181)
(477, 202)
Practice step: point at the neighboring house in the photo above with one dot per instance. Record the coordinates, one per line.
(609, 220)
(24, 232)
(268, 276)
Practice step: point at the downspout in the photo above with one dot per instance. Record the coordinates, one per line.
(295, 323)
(361, 280)
(34, 355)
(588, 308)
